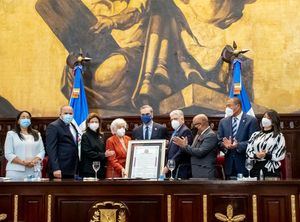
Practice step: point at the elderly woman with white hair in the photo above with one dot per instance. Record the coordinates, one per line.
(118, 143)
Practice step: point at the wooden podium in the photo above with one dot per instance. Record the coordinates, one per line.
(151, 201)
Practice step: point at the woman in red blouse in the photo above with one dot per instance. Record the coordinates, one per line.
(118, 142)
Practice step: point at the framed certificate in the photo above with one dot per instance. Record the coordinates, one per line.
(145, 158)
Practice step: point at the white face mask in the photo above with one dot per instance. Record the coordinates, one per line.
(121, 132)
(265, 122)
(228, 112)
(94, 126)
(175, 124)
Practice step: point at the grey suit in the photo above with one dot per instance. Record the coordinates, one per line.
(203, 154)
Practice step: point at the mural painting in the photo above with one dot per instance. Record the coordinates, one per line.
(166, 53)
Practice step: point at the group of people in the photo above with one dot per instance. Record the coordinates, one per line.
(194, 150)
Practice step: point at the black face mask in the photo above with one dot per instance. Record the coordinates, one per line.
(194, 131)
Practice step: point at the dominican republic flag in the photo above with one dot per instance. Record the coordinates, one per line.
(79, 104)
(238, 89)
(78, 99)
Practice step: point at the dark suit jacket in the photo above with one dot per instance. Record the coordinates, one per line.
(203, 155)
(236, 157)
(176, 153)
(92, 149)
(158, 132)
(61, 148)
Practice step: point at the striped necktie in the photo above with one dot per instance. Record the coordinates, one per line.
(234, 127)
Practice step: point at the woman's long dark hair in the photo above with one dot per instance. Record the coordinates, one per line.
(31, 131)
(273, 115)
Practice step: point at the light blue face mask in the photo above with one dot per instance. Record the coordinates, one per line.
(24, 123)
(67, 118)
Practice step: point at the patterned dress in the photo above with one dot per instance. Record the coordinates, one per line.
(275, 152)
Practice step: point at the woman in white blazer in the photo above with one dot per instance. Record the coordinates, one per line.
(23, 147)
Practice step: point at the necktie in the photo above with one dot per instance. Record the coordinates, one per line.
(234, 127)
(196, 139)
(73, 132)
(147, 133)
(173, 134)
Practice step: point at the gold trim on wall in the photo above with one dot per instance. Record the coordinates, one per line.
(16, 208)
(254, 208)
(204, 208)
(293, 208)
(49, 208)
(3, 216)
(109, 211)
(169, 203)
(229, 217)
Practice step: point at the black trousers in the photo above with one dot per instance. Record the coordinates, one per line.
(260, 165)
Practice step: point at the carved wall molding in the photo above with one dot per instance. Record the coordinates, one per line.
(109, 211)
(16, 202)
(205, 208)
(3, 217)
(229, 217)
(169, 204)
(254, 208)
(49, 209)
(293, 208)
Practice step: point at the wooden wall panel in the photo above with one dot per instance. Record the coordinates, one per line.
(275, 209)
(187, 208)
(145, 209)
(241, 205)
(148, 201)
(32, 208)
(6, 206)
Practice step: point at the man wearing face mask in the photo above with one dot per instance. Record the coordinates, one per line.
(203, 149)
(181, 158)
(61, 145)
(149, 129)
(233, 134)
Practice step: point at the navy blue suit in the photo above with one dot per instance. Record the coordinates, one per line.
(181, 157)
(235, 158)
(61, 148)
(158, 132)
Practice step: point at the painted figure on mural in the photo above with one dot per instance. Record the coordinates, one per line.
(151, 61)
(6, 108)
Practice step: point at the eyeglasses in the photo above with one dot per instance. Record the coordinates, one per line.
(145, 114)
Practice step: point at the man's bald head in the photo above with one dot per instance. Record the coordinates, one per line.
(201, 117)
(66, 109)
(200, 122)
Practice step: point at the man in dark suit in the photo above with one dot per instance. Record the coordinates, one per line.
(182, 159)
(233, 135)
(149, 129)
(203, 150)
(61, 145)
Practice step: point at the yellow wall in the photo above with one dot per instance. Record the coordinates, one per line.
(32, 58)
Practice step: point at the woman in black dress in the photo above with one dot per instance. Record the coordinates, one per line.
(93, 148)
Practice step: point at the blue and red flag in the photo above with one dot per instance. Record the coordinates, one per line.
(238, 89)
(78, 99)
